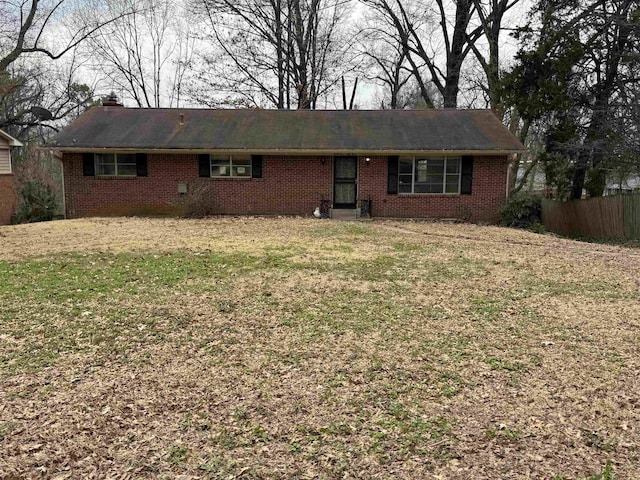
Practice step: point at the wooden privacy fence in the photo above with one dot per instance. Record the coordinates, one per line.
(602, 217)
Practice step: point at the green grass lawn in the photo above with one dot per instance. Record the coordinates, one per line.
(291, 348)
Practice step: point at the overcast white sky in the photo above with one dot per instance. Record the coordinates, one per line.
(368, 94)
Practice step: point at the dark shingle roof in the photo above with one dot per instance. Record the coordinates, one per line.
(288, 130)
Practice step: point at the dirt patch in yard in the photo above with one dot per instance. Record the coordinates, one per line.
(294, 348)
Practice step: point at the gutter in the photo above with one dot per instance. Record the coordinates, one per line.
(239, 151)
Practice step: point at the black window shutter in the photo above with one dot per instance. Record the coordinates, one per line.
(204, 165)
(256, 166)
(88, 165)
(392, 175)
(467, 175)
(141, 164)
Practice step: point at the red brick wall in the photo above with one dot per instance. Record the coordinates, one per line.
(290, 186)
(488, 193)
(7, 198)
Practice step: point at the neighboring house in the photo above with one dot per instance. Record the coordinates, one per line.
(7, 185)
(536, 180)
(395, 163)
(618, 186)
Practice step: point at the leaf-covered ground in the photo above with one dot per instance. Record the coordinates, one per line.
(290, 348)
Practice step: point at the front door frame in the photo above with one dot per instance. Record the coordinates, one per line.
(348, 180)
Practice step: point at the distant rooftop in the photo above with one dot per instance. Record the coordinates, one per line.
(12, 142)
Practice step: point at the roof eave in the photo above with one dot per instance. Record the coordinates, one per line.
(13, 142)
(331, 152)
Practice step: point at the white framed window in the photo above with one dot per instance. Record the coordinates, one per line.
(235, 166)
(116, 164)
(429, 175)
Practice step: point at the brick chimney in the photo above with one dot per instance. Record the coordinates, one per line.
(111, 100)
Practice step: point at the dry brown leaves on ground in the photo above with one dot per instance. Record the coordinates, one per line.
(292, 348)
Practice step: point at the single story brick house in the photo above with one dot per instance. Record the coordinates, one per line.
(7, 185)
(391, 163)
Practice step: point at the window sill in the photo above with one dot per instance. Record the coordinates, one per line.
(233, 178)
(429, 194)
(117, 177)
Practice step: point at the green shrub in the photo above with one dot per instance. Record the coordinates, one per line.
(36, 203)
(522, 210)
(537, 228)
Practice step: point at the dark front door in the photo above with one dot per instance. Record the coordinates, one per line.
(345, 173)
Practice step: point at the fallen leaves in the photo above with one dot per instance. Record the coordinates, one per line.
(294, 348)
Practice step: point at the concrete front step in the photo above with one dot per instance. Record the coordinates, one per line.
(345, 214)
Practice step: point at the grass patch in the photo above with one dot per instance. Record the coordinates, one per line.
(94, 277)
(177, 455)
(401, 434)
(343, 231)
